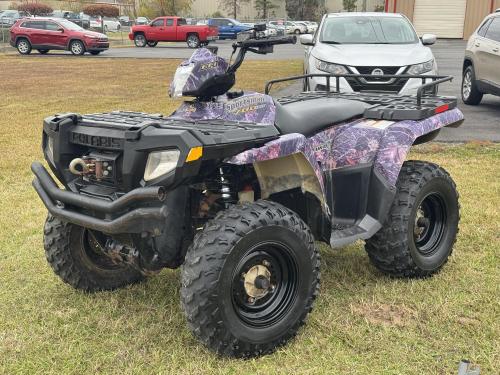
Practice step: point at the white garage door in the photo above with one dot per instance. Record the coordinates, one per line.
(445, 18)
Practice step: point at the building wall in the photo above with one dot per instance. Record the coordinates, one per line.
(475, 12)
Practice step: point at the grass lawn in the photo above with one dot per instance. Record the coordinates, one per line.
(363, 322)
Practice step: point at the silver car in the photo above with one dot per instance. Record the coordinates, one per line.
(368, 43)
(481, 69)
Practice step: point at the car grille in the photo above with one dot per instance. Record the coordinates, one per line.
(385, 69)
(375, 83)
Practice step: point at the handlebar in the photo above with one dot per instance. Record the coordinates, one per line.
(271, 41)
(257, 45)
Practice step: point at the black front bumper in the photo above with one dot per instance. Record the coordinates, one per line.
(110, 217)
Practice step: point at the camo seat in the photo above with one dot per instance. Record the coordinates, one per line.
(311, 116)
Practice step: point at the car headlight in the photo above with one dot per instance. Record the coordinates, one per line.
(421, 68)
(330, 67)
(160, 163)
(49, 150)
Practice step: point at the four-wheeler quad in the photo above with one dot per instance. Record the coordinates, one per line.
(236, 187)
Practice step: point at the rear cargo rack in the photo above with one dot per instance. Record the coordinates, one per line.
(385, 105)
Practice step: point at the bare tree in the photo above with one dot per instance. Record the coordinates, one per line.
(233, 7)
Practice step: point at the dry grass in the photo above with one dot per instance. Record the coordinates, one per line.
(363, 322)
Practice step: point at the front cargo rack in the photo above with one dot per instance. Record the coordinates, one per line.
(209, 132)
(385, 105)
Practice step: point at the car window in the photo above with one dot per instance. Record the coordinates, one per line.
(170, 22)
(52, 26)
(493, 31)
(157, 23)
(70, 25)
(367, 30)
(482, 30)
(39, 25)
(180, 22)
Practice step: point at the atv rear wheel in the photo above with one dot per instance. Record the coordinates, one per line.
(74, 255)
(250, 279)
(421, 227)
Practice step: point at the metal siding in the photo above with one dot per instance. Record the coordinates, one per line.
(475, 13)
(445, 18)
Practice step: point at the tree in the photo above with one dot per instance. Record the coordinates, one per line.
(232, 6)
(101, 10)
(304, 9)
(349, 5)
(36, 9)
(156, 8)
(263, 7)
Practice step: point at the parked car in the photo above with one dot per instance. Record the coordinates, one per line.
(142, 21)
(125, 21)
(481, 69)
(311, 26)
(228, 27)
(309, 29)
(73, 17)
(45, 34)
(280, 30)
(291, 27)
(368, 43)
(9, 17)
(172, 29)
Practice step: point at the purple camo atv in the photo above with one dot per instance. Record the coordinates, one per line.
(235, 188)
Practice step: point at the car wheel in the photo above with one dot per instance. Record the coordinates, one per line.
(23, 46)
(470, 93)
(140, 40)
(193, 41)
(95, 53)
(118, 27)
(106, 28)
(297, 31)
(77, 48)
(152, 44)
(43, 51)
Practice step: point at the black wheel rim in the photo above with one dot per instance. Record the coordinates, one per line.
(272, 294)
(92, 244)
(429, 224)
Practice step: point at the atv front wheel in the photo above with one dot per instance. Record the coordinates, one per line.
(421, 227)
(74, 254)
(250, 279)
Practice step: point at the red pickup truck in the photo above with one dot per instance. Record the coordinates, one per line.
(172, 29)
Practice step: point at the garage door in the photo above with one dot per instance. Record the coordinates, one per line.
(445, 18)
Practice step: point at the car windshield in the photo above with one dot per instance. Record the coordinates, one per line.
(8, 13)
(367, 30)
(70, 25)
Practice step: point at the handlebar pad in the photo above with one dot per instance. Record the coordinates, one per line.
(268, 41)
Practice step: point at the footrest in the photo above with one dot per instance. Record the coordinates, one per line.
(361, 231)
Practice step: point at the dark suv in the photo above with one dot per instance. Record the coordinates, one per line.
(45, 34)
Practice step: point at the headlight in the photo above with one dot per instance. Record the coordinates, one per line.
(421, 68)
(181, 76)
(160, 163)
(329, 67)
(49, 150)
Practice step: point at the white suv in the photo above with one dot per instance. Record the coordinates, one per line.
(481, 69)
(368, 43)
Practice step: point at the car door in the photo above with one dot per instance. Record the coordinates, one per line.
(224, 28)
(156, 29)
(170, 30)
(490, 53)
(35, 30)
(55, 38)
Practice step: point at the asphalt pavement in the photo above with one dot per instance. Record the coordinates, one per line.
(482, 122)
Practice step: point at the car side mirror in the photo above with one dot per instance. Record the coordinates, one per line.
(61, 30)
(307, 40)
(428, 39)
